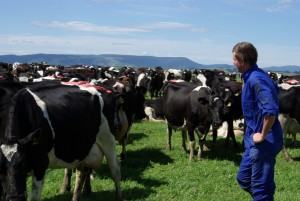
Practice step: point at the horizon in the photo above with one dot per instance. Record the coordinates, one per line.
(232, 65)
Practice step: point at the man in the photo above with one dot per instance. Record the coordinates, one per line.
(263, 137)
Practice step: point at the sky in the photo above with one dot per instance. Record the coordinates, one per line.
(204, 31)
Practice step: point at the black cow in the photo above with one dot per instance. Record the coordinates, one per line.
(51, 125)
(188, 107)
(231, 109)
(230, 105)
(156, 83)
(186, 75)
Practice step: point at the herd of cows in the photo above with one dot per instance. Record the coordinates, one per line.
(48, 112)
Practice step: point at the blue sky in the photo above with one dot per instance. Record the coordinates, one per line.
(202, 30)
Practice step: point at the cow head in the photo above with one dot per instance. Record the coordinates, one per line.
(230, 97)
(15, 165)
(216, 105)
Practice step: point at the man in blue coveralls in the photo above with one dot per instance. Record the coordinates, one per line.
(263, 137)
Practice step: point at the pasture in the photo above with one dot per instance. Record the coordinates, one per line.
(150, 173)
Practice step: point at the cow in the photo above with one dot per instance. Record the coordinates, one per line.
(230, 105)
(173, 74)
(127, 102)
(154, 110)
(156, 83)
(188, 107)
(289, 104)
(289, 126)
(52, 125)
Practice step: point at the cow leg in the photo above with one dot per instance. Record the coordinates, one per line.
(66, 185)
(124, 143)
(183, 136)
(169, 135)
(286, 154)
(294, 141)
(80, 176)
(192, 144)
(107, 144)
(123, 154)
(230, 134)
(36, 191)
(192, 147)
(215, 135)
(202, 144)
(87, 189)
(284, 150)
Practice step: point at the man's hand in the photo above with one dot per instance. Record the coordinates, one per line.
(258, 137)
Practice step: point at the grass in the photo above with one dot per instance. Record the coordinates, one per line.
(150, 173)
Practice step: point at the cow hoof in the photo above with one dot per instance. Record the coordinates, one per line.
(168, 148)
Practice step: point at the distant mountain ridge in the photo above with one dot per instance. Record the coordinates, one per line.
(126, 60)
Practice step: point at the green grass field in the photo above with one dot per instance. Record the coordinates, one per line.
(150, 173)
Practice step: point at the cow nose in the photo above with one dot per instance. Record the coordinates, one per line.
(217, 123)
(16, 198)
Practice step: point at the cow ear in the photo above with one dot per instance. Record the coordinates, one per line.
(32, 139)
(203, 101)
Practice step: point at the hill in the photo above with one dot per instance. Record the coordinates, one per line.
(127, 60)
(109, 60)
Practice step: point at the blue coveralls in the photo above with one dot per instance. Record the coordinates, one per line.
(259, 98)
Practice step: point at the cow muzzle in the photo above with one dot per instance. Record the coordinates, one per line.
(217, 123)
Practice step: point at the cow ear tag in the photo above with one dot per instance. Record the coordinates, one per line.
(237, 93)
(229, 104)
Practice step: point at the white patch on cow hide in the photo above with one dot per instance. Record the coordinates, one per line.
(43, 107)
(202, 78)
(93, 159)
(216, 98)
(198, 88)
(9, 150)
(94, 92)
(286, 86)
(55, 162)
(140, 77)
(150, 113)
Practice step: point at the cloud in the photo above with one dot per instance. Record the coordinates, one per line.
(280, 6)
(88, 27)
(94, 28)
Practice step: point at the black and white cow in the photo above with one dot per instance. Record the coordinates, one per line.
(126, 103)
(231, 109)
(154, 109)
(51, 125)
(188, 107)
(289, 105)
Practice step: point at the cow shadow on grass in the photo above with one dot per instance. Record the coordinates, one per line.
(133, 169)
(135, 137)
(221, 151)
